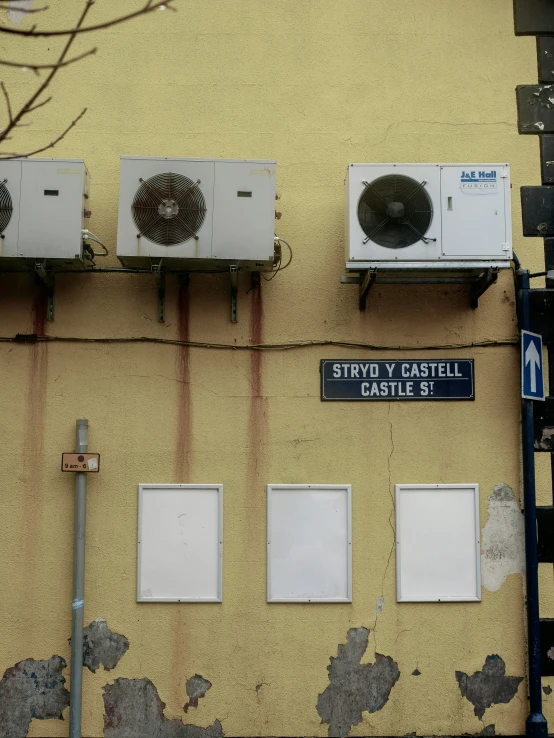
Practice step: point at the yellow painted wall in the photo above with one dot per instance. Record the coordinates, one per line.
(315, 85)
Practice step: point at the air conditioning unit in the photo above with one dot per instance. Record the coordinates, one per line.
(43, 206)
(196, 214)
(423, 213)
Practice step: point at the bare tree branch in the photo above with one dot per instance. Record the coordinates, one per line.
(14, 120)
(36, 67)
(12, 155)
(150, 6)
(8, 104)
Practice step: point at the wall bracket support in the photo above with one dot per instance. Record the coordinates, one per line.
(47, 278)
(482, 285)
(159, 277)
(233, 271)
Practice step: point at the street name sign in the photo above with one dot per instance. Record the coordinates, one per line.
(391, 379)
(532, 370)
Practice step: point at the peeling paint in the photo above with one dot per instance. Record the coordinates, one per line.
(133, 709)
(197, 687)
(488, 687)
(101, 646)
(379, 605)
(18, 10)
(31, 689)
(355, 687)
(550, 653)
(503, 539)
(416, 672)
(547, 689)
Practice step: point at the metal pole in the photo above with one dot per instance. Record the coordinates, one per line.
(78, 604)
(536, 726)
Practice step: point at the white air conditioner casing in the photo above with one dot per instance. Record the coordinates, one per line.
(470, 215)
(236, 197)
(48, 200)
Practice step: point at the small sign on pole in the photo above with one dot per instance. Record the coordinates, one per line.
(532, 370)
(75, 462)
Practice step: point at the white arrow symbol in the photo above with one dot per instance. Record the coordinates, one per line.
(532, 357)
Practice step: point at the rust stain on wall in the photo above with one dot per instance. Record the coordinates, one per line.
(35, 417)
(183, 458)
(257, 420)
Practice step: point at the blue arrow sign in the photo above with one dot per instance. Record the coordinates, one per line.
(532, 372)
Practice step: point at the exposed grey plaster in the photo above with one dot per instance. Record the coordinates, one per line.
(101, 646)
(488, 687)
(355, 687)
(416, 672)
(31, 689)
(502, 539)
(18, 10)
(197, 687)
(547, 689)
(379, 605)
(133, 709)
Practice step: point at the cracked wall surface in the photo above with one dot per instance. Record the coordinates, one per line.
(488, 687)
(355, 687)
(133, 709)
(31, 690)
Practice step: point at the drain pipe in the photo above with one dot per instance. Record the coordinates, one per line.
(78, 604)
(536, 726)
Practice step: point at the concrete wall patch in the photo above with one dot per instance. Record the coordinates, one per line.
(488, 687)
(133, 709)
(31, 689)
(355, 687)
(101, 646)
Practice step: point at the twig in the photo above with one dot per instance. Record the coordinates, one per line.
(8, 105)
(38, 105)
(30, 103)
(150, 6)
(48, 146)
(36, 67)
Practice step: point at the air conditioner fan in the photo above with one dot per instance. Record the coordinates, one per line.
(395, 211)
(6, 207)
(169, 208)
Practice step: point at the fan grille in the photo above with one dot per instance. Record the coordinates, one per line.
(169, 208)
(6, 207)
(395, 211)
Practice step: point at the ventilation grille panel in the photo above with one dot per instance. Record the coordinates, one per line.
(169, 209)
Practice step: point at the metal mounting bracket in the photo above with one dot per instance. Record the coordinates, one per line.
(159, 277)
(233, 271)
(487, 279)
(366, 283)
(47, 278)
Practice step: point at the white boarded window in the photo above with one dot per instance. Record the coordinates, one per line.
(437, 543)
(309, 543)
(180, 542)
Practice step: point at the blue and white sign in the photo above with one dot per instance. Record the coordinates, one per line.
(479, 180)
(391, 379)
(532, 370)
